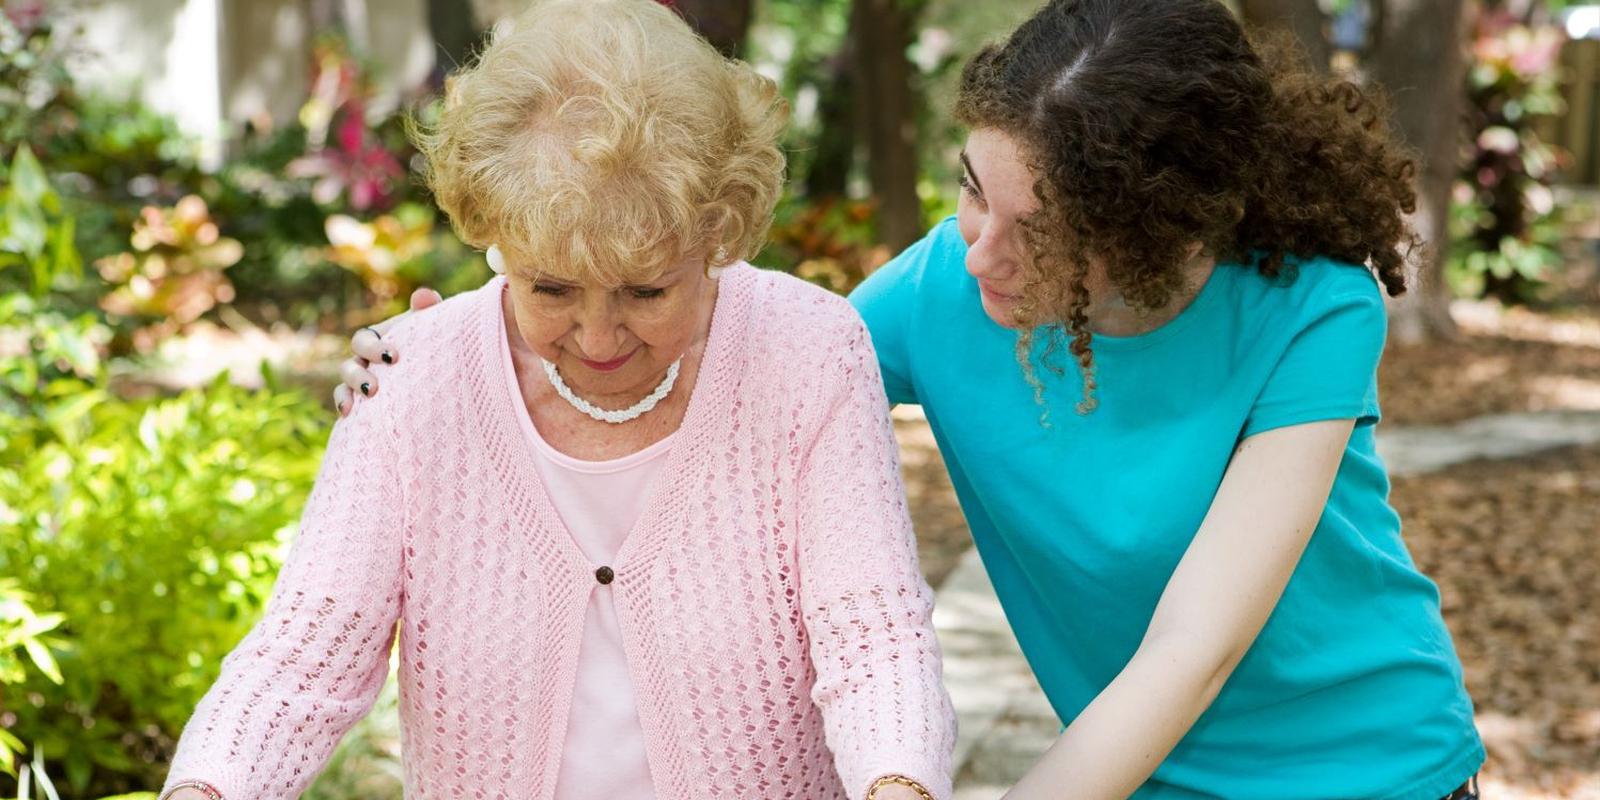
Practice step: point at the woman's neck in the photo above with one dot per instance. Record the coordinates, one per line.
(573, 432)
(1110, 315)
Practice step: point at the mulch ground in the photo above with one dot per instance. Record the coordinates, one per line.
(1515, 548)
(1504, 361)
(1514, 544)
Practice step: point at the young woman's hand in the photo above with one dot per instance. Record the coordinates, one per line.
(368, 346)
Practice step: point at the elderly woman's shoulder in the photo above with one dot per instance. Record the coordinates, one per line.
(433, 342)
(441, 327)
(802, 339)
(799, 313)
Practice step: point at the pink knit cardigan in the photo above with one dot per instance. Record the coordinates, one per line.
(776, 624)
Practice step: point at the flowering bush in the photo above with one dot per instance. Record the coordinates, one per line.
(1503, 229)
(831, 243)
(174, 272)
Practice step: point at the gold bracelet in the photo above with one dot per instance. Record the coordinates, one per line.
(204, 788)
(897, 780)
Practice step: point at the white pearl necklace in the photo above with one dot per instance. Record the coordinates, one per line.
(614, 417)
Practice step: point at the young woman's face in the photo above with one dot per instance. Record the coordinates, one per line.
(996, 194)
(612, 340)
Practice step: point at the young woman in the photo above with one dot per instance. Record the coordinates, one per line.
(1148, 347)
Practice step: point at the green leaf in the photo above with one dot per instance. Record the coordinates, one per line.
(43, 777)
(28, 181)
(80, 770)
(43, 659)
(37, 627)
(43, 623)
(63, 417)
(269, 377)
(24, 227)
(64, 257)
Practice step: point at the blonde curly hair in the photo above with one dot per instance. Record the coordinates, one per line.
(605, 139)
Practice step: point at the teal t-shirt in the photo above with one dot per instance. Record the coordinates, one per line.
(1353, 689)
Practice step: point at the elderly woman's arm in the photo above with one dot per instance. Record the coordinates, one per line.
(867, 608)
(315, 662)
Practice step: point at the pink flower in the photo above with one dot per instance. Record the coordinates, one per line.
(25, 15)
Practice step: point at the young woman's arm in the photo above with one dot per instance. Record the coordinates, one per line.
(313, 665)
(1220, 596)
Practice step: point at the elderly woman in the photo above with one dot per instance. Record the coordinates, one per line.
(634, 503)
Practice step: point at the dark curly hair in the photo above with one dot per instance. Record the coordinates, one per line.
(1152, 125)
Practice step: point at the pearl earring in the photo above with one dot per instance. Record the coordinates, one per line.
(497, 262)
(718, 263)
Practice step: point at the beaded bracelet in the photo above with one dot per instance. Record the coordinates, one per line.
(206, 789)
(897, 780)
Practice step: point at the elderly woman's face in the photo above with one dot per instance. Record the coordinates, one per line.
(613, 340)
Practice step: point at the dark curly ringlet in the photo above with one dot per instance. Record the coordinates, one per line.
(1152, 125)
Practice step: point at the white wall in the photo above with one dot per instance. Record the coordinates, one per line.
(213, 64)
(166, 49)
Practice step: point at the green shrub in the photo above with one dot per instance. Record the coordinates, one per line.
(37, 252)
(154, 528)
(23, 641)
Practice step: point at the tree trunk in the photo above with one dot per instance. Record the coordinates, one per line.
(880, 32)
(1302, 18)
(456, 34)
(1418, 58)
(724, 23)
(829, 172)
(324, 14)
(356, 30)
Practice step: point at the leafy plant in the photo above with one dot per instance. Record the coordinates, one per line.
(1503, 230)
(154, 529)
(357, 166)
(831, 243)
(175, 270)
(380, 250)
(37, 251)
(23, 641)
(35, 84)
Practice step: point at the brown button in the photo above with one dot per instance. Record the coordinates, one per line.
(604, 575)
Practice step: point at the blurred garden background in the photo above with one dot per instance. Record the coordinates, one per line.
(201, 199)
